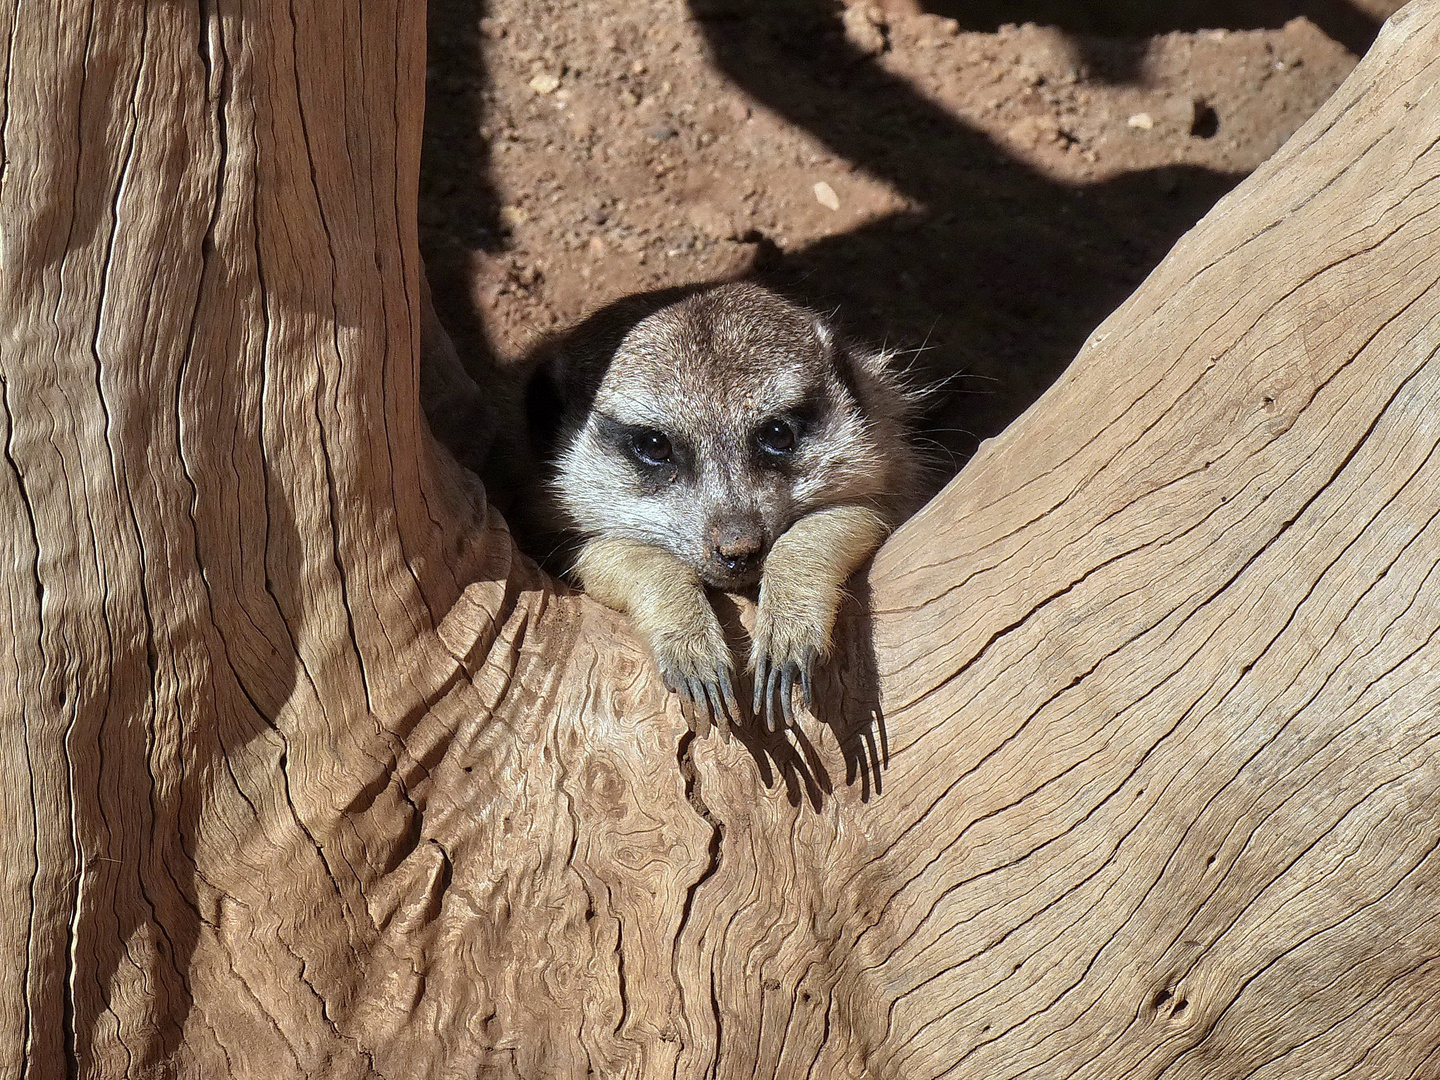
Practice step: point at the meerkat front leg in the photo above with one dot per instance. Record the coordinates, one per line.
(800, 593)
(667, 605)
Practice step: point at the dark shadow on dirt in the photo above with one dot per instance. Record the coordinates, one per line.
(460, 209)
(999, 272)
(1341, 21)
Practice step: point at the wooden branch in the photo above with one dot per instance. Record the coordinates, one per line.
(1131, 771)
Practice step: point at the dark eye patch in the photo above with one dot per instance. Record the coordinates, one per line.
(654, 453)
(651, 447)
(776, 438)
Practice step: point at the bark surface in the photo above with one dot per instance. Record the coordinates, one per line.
(1127, 765)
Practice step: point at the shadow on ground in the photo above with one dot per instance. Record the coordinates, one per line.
(1000, 272)
(1342, 21)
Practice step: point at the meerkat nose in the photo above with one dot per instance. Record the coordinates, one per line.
(738, 543)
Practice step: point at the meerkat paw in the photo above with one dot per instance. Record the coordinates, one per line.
(788, 644)
(668, 607)
(800, 595)
(697, 665)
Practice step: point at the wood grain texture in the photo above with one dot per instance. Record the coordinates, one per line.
(1131, 772)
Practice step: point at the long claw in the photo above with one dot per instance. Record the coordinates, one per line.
(727, 692)
(696, 689)
(787, 693)
(701, 721)
(771, 708)
(720, 707)
(806, 691)
(759, 679)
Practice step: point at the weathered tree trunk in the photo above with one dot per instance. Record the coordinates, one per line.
(1132, 773)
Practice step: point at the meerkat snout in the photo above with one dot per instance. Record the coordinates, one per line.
(727, 439)
(738, 548)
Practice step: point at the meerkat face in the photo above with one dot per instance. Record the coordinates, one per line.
(716, 424)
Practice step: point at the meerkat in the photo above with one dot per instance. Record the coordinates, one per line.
(727, 440)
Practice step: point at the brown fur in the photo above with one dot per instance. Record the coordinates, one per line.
(786, 460)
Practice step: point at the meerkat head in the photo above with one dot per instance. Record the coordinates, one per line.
(709, 426)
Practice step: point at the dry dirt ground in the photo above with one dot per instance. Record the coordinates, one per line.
(979, 181)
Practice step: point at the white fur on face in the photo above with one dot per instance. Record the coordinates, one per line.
(708, 391)
(605, 493)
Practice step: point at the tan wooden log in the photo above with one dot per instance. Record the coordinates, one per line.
(1131, 773)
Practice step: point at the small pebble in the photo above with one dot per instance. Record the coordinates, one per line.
(1142, 120)
(826, 197)
(864, 30)
(544, 83)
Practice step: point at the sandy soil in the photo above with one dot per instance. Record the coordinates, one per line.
(948, 177)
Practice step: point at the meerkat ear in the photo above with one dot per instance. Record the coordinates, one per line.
(873, 379)
(837, 350)
(848, 363)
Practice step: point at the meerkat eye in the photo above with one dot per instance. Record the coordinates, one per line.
(651, 447)
(775, 437)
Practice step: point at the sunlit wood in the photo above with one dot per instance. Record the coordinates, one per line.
(1131, 773)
